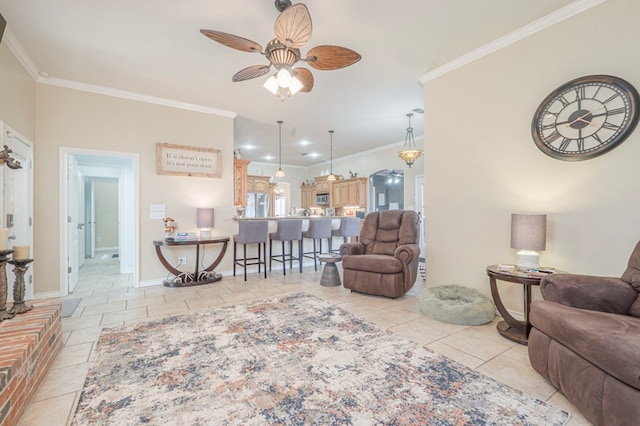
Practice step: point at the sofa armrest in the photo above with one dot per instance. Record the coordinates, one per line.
(407, 253)
(351, 248)
(606, 294)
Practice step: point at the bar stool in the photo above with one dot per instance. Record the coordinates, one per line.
(287, 230)
(318, 229)
(349, 227)
(251, 232)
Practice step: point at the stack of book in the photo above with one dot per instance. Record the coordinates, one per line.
(185, 236)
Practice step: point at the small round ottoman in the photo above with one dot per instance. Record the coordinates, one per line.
(457, 305)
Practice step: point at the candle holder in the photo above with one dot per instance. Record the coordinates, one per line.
(20, 267)
(4, 314)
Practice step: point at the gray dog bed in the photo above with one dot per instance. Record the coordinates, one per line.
(457, 305)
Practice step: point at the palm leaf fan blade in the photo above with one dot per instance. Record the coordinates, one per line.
(331, 57)
(293, 27)
(233, 41)
(251, 72)
(306, 78)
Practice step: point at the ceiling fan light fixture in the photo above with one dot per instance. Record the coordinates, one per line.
(410, 153)
(284, 78)
(272, 85)
(292, 29)
(283, 83)
(295, 85)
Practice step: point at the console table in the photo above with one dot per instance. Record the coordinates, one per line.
(198, 277)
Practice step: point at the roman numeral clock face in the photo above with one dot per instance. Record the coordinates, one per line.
(586, 117)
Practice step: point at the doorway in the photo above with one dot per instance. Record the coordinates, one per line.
(386, 188)
(100, 193)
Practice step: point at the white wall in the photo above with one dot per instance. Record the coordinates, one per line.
(481, 164)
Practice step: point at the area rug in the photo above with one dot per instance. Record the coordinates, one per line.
(294, 360)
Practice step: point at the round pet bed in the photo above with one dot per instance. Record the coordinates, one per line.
(457, 305)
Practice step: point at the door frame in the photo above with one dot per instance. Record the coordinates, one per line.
(420, 208)
(8, 132)
(128, 225)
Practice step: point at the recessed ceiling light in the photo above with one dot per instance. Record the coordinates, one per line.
(304, 143)
(249, 147)
(269, 157)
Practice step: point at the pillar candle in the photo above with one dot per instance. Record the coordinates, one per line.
(21, 252)
(4, 239)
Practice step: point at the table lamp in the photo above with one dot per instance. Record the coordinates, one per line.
(205, 222)
(528, 234)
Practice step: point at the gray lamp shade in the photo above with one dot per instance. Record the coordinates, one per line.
(529, 231)
(205, 218)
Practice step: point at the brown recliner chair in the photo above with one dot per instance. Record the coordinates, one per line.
(385, 260)
(585, 339)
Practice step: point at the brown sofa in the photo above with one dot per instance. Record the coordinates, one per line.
(585, 339)
(385, 260)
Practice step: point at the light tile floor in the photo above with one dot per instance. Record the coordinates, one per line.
(108, 300)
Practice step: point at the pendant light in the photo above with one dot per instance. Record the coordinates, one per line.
(409, 153)
(280, 172)
(331, 176)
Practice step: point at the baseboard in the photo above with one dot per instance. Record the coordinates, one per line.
(47, 295)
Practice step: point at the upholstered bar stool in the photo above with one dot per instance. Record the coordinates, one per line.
(318, 229)
(251, 232)
(349, 227)
(287, 230)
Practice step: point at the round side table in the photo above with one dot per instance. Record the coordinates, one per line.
(511, 328)
(330, 275)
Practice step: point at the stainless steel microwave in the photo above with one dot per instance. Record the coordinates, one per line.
(322, 199)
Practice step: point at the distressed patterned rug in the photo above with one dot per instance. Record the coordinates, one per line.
(290, 360)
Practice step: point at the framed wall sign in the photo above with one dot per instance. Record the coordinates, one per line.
(180, 160)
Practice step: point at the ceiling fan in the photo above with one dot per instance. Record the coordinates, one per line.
(292, 30)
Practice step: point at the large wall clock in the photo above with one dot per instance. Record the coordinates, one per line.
(586, 117)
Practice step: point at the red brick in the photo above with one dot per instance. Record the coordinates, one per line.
(29, 344)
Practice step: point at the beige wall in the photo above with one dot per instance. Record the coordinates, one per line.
(70, 118)
(17, 95)
(481, 164)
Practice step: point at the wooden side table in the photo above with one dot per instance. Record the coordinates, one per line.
(511, 328)
(204, 276)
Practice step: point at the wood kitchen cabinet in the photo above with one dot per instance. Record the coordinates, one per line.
(258, 183)
(323, 186)
(308, 196)
(240, 182)
(349, 193)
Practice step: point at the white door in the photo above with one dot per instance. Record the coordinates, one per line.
(420, 210)
(18, 203)
(90, 219)
(74, 221)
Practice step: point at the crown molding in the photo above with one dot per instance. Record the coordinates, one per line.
(91, 88)
(553, 18)
(23, 57)
(14, 45)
